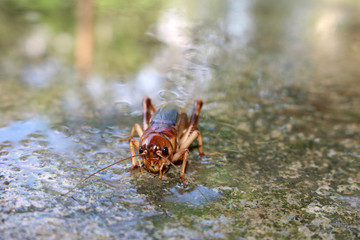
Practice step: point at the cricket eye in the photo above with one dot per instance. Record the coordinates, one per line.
(141, 150)
(165, 151)
(155, 148)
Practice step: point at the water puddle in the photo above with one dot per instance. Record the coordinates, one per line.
(194, 197)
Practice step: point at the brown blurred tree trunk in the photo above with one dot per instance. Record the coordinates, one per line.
(84, 37)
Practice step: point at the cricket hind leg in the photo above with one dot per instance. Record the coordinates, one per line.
(183, 152)
(147, 108)
(195, 115)
(191, 126)
(191, 133)
(136, 129)
(190, 139)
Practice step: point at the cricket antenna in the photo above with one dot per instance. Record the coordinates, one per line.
(93, 174)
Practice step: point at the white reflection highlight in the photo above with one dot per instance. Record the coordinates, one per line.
(36, 43)
(238, 19)
(172, 27)
(327, 36)
(148, 82)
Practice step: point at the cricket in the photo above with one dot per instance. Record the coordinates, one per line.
(165, 139)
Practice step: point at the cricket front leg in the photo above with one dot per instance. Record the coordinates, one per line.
(161, 170)
(183, 154)
(183, 166)
(134, 144)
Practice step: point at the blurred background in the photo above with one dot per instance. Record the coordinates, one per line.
(109, 54)
(281, 85)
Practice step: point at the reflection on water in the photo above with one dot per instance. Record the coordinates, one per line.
(193, 197)
(41, 74)
(35, 128)
(281, 96)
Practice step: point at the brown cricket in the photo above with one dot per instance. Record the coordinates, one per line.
(165, 139)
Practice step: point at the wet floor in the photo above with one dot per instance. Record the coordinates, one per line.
(280, 81)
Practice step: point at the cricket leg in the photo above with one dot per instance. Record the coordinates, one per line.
(136, 128)
(183, 166)
(194, 118)
(147, 108)
(191, 138)
(184, 155)
(134, 144)
(161, 170)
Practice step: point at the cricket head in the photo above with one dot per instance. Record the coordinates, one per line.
(154, 149)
